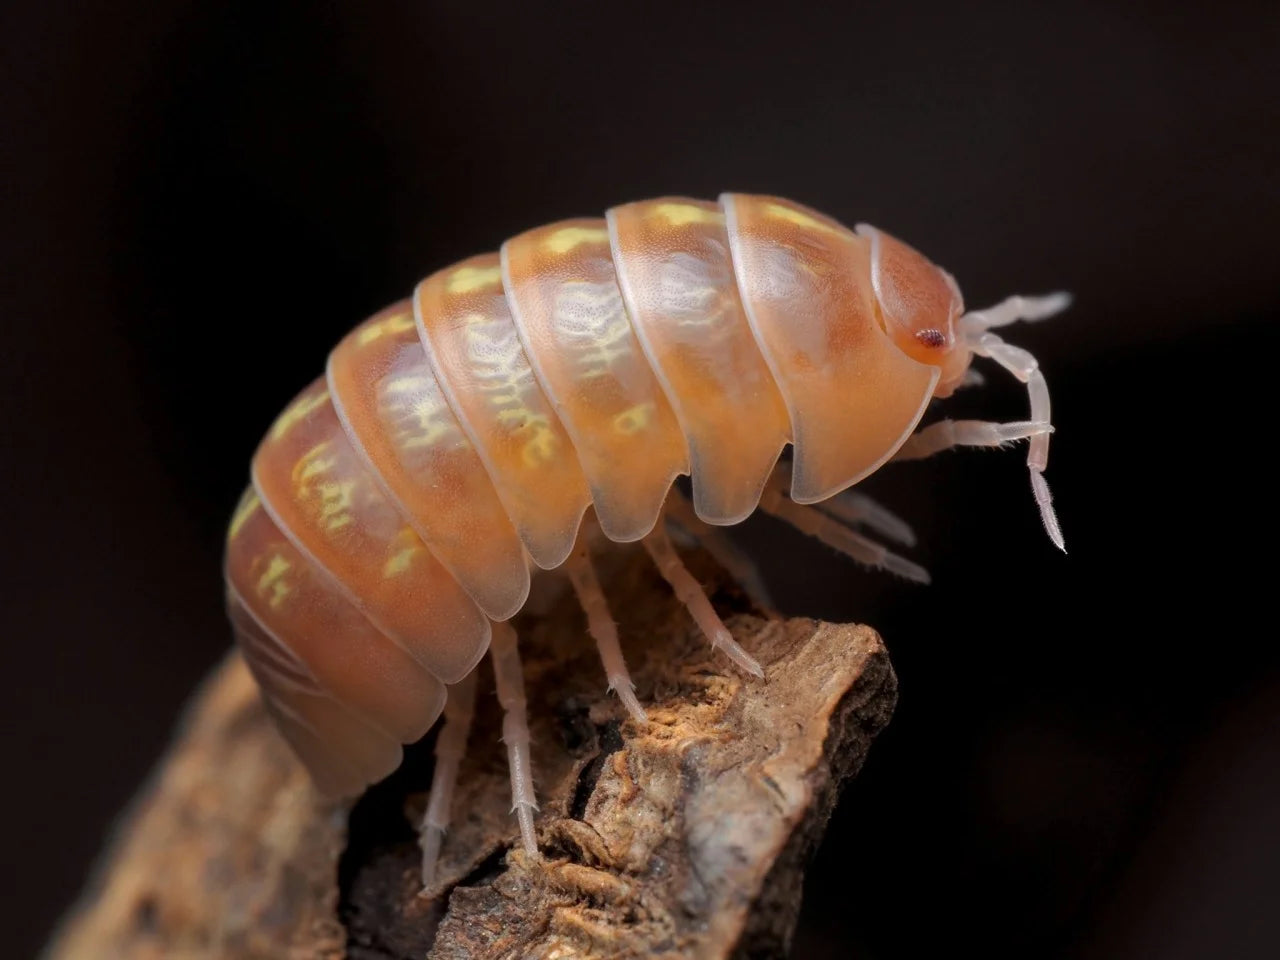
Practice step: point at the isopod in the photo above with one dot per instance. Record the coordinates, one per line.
(457, 439)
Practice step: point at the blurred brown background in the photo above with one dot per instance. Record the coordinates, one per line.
(199, 198)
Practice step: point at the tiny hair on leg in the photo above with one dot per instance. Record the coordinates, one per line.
(695, 600)
(975, 327)
(601, 626)
(833, 533)
(451, 747)
(509, 674)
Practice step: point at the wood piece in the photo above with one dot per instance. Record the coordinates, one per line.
(684, 838)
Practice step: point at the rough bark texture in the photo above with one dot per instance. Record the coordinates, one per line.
(685, 838)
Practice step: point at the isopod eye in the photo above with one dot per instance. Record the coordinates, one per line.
(932, 337)
(918, 300)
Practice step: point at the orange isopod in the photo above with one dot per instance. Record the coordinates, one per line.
(399, 504)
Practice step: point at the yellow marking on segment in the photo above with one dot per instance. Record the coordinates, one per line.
(683, 214)
(431, 432)
(272, 581)
(634, 419)
(313, 463)
(519, 418)
(566, 238)
(335, 496)
(335, 503)
(248, 503)
(410, 384)
(398, 563)
(496, 356)
(304, 405)
(596, 358)
(406, 546)
(506, 379)
(779, 212)
(591, 315)
(471, 279)
(417, 412)
(542, 445)
(541, 448)
(396, 323)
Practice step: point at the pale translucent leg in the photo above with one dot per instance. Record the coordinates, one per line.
(601, 626)
(836, 535)
(509, 675)
(694, 598)
(1015, 308)
(857, 509)
(451, 747)
(972, 378)
(723, 550)
(1025, 367)
(946, 434)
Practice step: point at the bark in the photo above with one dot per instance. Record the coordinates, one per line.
(685, 838)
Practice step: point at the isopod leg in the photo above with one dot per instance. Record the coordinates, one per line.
(976, 327)
(509, 675)
(837, 536)
(451, 746)
(947, 434)
(1024, 366)
(723, 550)
(857, 509)
(694, 598)
(601, 626)
(1015, 308)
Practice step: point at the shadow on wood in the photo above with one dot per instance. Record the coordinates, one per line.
(684, 838)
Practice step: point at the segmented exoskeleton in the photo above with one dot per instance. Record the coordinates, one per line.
(457, 440)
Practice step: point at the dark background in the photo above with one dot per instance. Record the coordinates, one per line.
(199, 198)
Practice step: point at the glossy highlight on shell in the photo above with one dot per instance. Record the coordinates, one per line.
(478, 432)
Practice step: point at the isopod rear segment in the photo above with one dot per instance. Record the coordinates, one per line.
(465, 438)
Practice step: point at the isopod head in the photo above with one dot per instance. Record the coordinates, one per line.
(919, 304)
